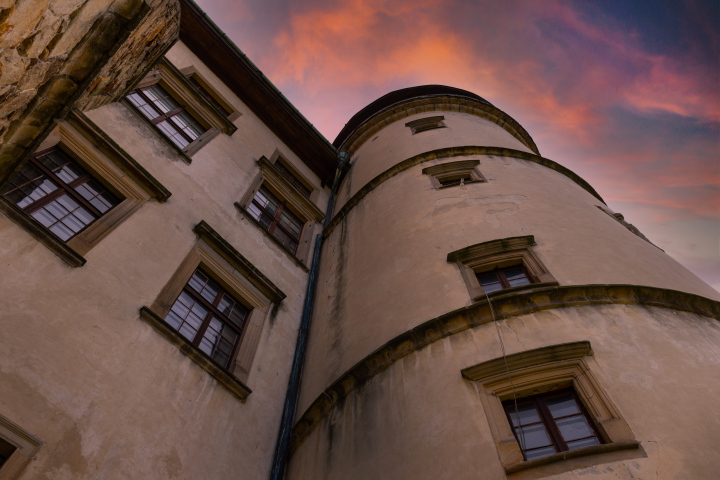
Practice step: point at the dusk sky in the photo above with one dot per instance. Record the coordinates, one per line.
(624, 93)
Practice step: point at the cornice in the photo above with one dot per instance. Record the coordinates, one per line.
(504, 306)
(436, 103)
(450, 152)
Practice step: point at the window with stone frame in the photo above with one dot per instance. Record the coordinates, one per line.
(209, 317)
(173, 121)
(275, 216)
(453, 174)
(550, 423)
(54, 190)
(501, 278)
(425, 124)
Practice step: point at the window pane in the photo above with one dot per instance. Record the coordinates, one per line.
(219, 341)
(526, 412)
(63, 217)
(97, 195)
(27, 186)
(160, 98)
(587, 442)
(186, 316)
(574, 428)
(188, 124)
(516, 276)
(562, 406)
(291, 223)
(533, 436)
(539, 453)
(488, 278)
(173, 134)
(285, 172)
(140, 103)
(267, 201)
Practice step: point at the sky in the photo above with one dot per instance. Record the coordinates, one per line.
(624, 93)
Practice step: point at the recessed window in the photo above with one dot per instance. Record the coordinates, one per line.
(58, 193)
(207, 95)
(167, 115)
(453, 174)
(424, 124)
(290, 177)
(6, 449)
(276, 218)
(209, 317)
(550, 423)
(501, 278)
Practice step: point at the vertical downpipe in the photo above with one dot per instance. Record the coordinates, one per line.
(283, 442)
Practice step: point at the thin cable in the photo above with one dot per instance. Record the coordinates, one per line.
(507, 369)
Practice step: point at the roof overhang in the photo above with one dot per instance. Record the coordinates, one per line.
(235, 69)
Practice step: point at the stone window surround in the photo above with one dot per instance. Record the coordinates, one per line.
(305, 209)
(217, 258)
(425, 124)
(26, 445)
(191, 71)
(79, 138)
(538, 371)
(277, 157)
(443, 171)
(176, 84)
(505, 252)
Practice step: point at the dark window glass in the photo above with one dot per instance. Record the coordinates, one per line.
(285, 172)
(500, 278)
(58, 193)
(206, 95)
(276, 219)
(450, 182)
(166, 114)
(550, 423)
(209, 317)
(6, 449)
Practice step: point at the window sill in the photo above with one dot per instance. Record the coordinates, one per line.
(41, 233)
(238, 389)
(295, 259)
(580, 452)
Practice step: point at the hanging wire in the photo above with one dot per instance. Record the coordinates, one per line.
(507, 369)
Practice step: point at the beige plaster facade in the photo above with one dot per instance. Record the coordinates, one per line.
(408, 357)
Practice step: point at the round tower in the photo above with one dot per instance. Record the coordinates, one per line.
(481, 313)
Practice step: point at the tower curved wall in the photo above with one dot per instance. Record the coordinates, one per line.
(395, 322)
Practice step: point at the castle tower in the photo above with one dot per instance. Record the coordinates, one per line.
(603, 348)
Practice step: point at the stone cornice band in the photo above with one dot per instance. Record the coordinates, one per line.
(505, 306)
(449, 153)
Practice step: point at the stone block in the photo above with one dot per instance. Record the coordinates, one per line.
(22, 21)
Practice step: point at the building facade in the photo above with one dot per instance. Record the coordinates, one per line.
(170, 228)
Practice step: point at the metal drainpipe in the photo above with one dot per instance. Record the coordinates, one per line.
(282, 446)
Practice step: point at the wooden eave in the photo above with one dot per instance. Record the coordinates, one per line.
(234, 69)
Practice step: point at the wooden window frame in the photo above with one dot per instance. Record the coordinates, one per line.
(26, 446)
(304, 208)
(173, 81)
(439, 174)
(538, 371)
(243, 281)
(275, 223)
(425, 124)
(504, 282)
(506, 252)
(80, 139)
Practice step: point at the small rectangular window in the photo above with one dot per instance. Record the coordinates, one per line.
(550, 423)
(501, 278)
(274, 216)
(167, 115)
(209, 317)
(58, 193)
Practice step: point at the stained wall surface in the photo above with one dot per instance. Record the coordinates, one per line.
(108, 395)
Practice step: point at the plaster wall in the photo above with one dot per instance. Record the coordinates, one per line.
(107, 394)
(384, 268)
(658, 366)
(396, 142)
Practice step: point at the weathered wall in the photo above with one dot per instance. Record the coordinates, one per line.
(51, 51)
(421, 419)
(107, 394)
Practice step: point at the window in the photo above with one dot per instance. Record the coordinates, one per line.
(6, 449)
(207, 92)
(167, 115)
(497, 265)
(562, 410)
(209, 317)
(213, 309)
(550, 423)
(275, 217)
(58, 193)
(424, 124)
(500, 278)
(453, 174)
